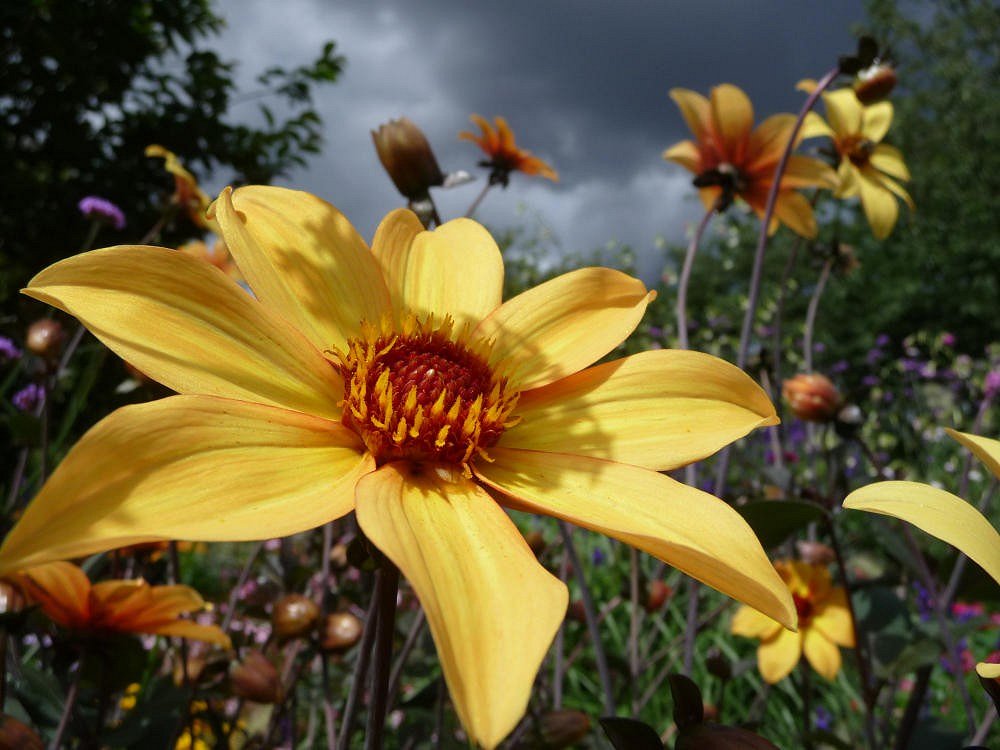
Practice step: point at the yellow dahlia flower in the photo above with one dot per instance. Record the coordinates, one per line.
(393, 381)
(731, 158)
(868, 168)
(942, 514)
(824, 624)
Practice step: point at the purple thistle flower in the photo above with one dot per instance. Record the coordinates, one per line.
(101, 209)
(30, 397)
(9, 351)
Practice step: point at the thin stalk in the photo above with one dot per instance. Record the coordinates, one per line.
(758, 259)
(384, 632)
(324, 601)
(810, 327)
(691, 624)
(603, 673)
(558, 671)
(806, 688)
(912, 711)
(633, 627)
(240, 583)
(479, 199)
(984, 726)
(412, 638)
(685, 278)
(67, 712)
(360, 667)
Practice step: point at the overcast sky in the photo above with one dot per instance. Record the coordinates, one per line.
(583, 83)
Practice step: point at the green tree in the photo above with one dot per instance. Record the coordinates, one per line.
(86, 85)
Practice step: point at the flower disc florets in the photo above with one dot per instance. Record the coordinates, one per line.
(423, 391)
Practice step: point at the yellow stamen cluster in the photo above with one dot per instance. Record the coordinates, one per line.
(424, 391)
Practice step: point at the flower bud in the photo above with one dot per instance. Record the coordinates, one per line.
(256, 679)
(577, 611)
(874, 83)
(15, 735)
(563, 728)
(718, 666)
(718, 737)
(657, 593)
(340, 631)
(814, 553)
(294, 616)
(812, 397)
(407, 157)
(46, 338)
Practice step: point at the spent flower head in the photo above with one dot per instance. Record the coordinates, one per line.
(101, 209)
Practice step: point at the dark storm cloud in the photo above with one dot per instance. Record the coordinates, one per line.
(584, 84)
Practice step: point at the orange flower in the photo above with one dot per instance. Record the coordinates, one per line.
(66, 595)
(504, 155)
(812, 397)
(732, 159)
(187, 194)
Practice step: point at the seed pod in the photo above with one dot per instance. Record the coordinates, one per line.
(406, 155)
(294, 616)
(46, 338)
(560, 729)
(657, 594)
(15, 735)
(812, 397)
(875, 83)
(340, 631)
(256, 679)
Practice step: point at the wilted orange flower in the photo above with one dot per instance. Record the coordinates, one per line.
(731, 159)
(66, 595)
(812, 397)
(187, 193)
(394, 382)
(504, 156)
(824, 624)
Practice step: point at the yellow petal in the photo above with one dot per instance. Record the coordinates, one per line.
(823, 655)
(189, 467)
(391, 246)
(492, 609)
(939, 513)
(985, 449)
(453, 270)
(192, 631)
(559, 327)
(186, 324)
(777, 657)
(833, 619)
(681, 525)
(794, 211)
(889, 159)
(891, 185)
(876, 121)
(815, 126)
(803, 171)
(879, 204)
(303, 259)
(988, 671)
(844, 112)
(659, 409)
(808, 85)
(61, 589)
(695, 109)
(768, 142)
(686, 154)
(848, 177)
(750, 623)
(732, 114)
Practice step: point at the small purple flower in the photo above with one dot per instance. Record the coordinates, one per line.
(910, 365)
(656, 332)
(101, 209)
(873, 356)
(925, 602)
(870, 381)
(30, 397)
(598, 556)
(948, 339)
(840, 366)
(882, 340)
(9, 351)
(819, 347)
(822, 719)
(991, 384)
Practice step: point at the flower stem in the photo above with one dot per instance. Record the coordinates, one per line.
(67, 712)
(633, 627)
(685, 278)
(385, 629)
(479, 199)
(604, 674)
(810, 327)
(360, 667)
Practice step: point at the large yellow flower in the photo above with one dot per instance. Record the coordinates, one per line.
(942, 514)
(868, 168)
(393, 382)
(824, 624)
(732, 159)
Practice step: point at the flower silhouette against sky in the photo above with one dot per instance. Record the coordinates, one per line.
(824, 624)
(393, 381)
(869, 169)
(504, 157)
(732, 159)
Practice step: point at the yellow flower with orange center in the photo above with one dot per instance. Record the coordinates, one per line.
(732, 159)
(869, 169)
(395, 382)
(68, 598)
(943, 515)
(824, 624)
(188, 195)
(504, 157)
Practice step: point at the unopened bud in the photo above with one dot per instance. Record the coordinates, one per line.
(563, 728)
(15, 735)
(536, 541)
(406, 155)
(814, 553)
(294, 616)
(875, 83)
(577, 611)
(341, 630)
(718, 666)
(46, 338)
(657, 593)
(256, 679)
(812, 397)
(718, 737)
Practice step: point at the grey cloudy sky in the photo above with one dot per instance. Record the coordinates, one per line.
(583, 83)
